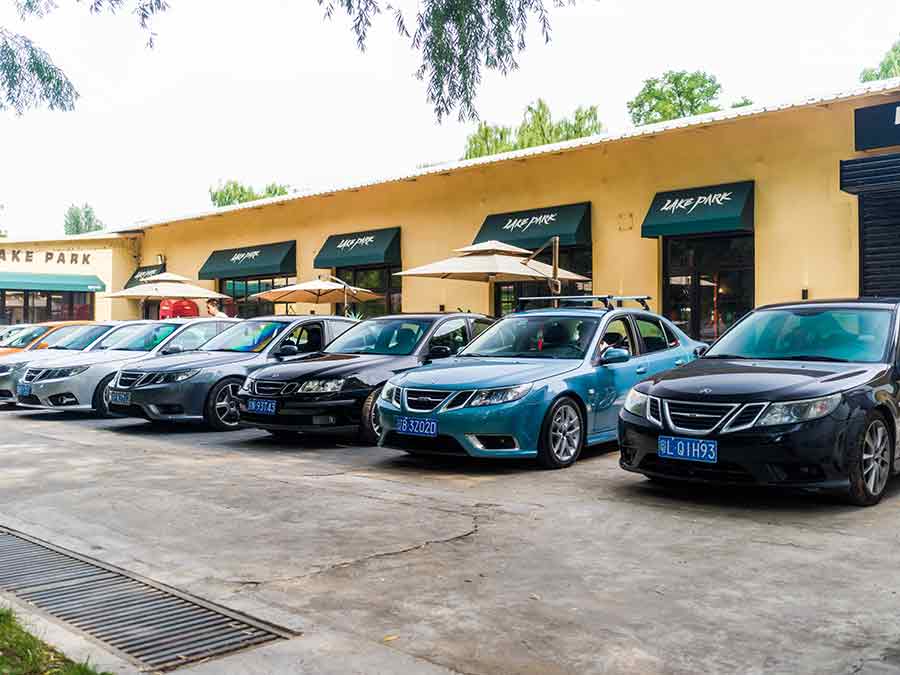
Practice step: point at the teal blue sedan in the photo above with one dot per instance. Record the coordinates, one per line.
(540, 384)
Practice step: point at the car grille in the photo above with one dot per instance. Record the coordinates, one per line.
(746, 417)
(696, 418)
(440, 445)
(725, 472)
(32, 375)
(128, 379)
(273, 388)
(425, 400)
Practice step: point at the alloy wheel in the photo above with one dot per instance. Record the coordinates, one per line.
(565, 433)
(876, 457)
(375, 421)
(227, 405)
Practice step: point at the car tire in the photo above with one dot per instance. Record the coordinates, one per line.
(220, 412)
(562, 434)
(100, 399)
(870, 461)
(369, 429)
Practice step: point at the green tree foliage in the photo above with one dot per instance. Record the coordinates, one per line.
(889, 66)
(678, 93)
(741, 102)
(537, 128)
(231, 192)
(82, 219)
(457, 39)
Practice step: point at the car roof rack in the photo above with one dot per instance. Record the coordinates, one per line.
(607, 300)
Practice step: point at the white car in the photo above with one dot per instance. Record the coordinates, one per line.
(62, 343)
(79, 382)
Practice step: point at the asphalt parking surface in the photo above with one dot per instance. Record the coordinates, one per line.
(393, 564)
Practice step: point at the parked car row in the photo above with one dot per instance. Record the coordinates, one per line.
(804, 395)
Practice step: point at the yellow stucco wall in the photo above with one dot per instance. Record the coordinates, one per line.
(111, 259)
(806, 228)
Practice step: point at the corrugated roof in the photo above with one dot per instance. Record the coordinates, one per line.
(104, 235)
(881, 87)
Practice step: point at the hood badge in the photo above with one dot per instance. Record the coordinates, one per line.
(706, 390)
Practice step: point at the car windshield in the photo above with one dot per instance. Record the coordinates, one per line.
(246, 336)
(24, 337)
(809, 334)
(387, 337)
(78, 339)
(142, 337)
(535, 337)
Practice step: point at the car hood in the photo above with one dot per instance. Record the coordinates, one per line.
(36, 355)
(334, 365)
(191, 360)
(471, 373)
(92, 358)
(761, 380)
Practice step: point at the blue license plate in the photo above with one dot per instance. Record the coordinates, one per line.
(416, 426)
(23, 389)
(120, 397)
(262, 406)
(689, 449)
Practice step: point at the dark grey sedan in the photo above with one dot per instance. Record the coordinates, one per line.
(200, 385)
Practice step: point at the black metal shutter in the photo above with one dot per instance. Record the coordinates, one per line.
(879, 244)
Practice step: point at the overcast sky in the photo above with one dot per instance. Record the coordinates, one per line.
(267, 90)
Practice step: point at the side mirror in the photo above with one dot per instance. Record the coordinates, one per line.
(287, 350)
(613, 355)
(174, 349)
(439, 352)
(701, 350)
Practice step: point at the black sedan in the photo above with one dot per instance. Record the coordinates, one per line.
(798, 395)
(336, 391)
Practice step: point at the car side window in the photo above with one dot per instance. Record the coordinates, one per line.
(479, 326)
(307, 338)
(671, 335)
(652, 334)
(193, 337)
(617, 336)
(452, 334)
(338, 327)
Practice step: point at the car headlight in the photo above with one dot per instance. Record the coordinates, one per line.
(636, 402)
(62, 373)
(321, 386)
(791, 412)
(181, 375)
(387, 393)
(497, 396)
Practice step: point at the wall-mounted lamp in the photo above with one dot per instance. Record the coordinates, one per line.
(160, 259)
(804, 294)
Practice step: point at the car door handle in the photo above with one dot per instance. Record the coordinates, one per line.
(679, 362)
(641, 370)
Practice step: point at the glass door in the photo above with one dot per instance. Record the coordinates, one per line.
(708, 283)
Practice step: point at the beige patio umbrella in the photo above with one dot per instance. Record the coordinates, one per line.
(166, 276)
(162, 290)
(491, 261)
(318, 292)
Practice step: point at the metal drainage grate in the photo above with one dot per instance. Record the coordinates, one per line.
(155, 625)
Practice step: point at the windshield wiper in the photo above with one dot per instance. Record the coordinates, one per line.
(807, 357)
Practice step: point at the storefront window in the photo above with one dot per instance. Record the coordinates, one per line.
(378, 279)
(708, 283)
(571, 258)
(39, 306)
(246, 307)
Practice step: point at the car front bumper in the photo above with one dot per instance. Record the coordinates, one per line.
(8, 382)
(177, 402)
(806, 455)
(70, 393)
(504, 430)
(338, 413)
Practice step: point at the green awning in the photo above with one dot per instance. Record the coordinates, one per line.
(372, 247)
(531, 229)
(252, 261)
(54, 283)
(142, 273)
(715, 208)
